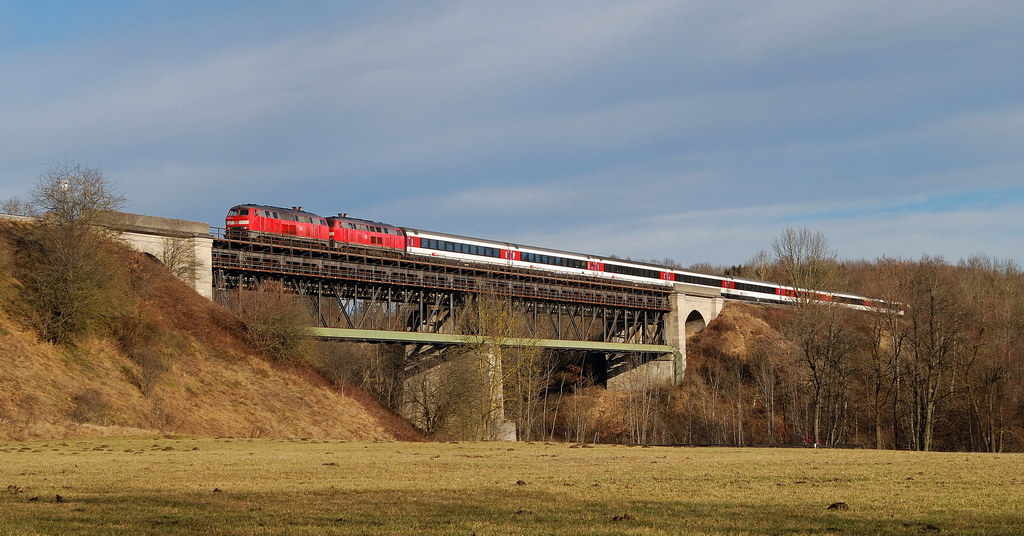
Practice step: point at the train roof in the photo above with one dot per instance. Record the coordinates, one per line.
(293, 210)
(346, 217)
(549, 250)
(510, 244)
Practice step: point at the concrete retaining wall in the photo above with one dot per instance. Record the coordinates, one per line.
(154, 235)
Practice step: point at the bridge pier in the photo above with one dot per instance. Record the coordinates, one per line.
(692, 308)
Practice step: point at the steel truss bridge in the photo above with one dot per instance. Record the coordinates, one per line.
(381, 295)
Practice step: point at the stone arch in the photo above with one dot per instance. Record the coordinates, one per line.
(694, 322)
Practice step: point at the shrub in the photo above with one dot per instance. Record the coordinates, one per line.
(90, 406)
(275, 321)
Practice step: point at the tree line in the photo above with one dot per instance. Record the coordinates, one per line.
(935, 365)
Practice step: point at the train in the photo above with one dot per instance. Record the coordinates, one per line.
(250, 220)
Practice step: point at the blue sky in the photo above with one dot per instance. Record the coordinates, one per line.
(691, 130)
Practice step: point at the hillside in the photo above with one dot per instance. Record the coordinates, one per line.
(193, 375)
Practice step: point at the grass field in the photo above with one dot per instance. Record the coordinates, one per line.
(178, 485)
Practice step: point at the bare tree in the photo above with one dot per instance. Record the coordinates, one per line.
(15, 206)
(764, 369)
(506, 360)
(995, 345)
(178, 255)
(818, 330)
(706, 268)
(374, 368)
(643, 406)
(73, 285)
(760, 266)
(887, 341)
(441, 397)
(806, 261)
(70, 193)
(487, 390)
(936, 322)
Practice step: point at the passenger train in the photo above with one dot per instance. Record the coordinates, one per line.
(254, 220)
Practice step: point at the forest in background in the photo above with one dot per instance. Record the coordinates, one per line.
(935, 366)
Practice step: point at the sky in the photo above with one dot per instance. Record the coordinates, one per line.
(650, 129)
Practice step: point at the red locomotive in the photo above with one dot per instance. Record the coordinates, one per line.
(246, 220)
(372, 233)
(249, 219)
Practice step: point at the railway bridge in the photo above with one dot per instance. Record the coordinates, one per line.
(372, 294)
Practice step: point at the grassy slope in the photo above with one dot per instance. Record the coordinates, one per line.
(212, 384)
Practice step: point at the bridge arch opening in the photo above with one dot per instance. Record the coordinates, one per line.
(694, 323)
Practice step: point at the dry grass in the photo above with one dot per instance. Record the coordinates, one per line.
(186, 370)
(160, 485)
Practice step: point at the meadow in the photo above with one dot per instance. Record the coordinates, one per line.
(184, 485)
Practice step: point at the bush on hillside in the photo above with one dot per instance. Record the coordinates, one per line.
(71, 283)
(275, 322)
